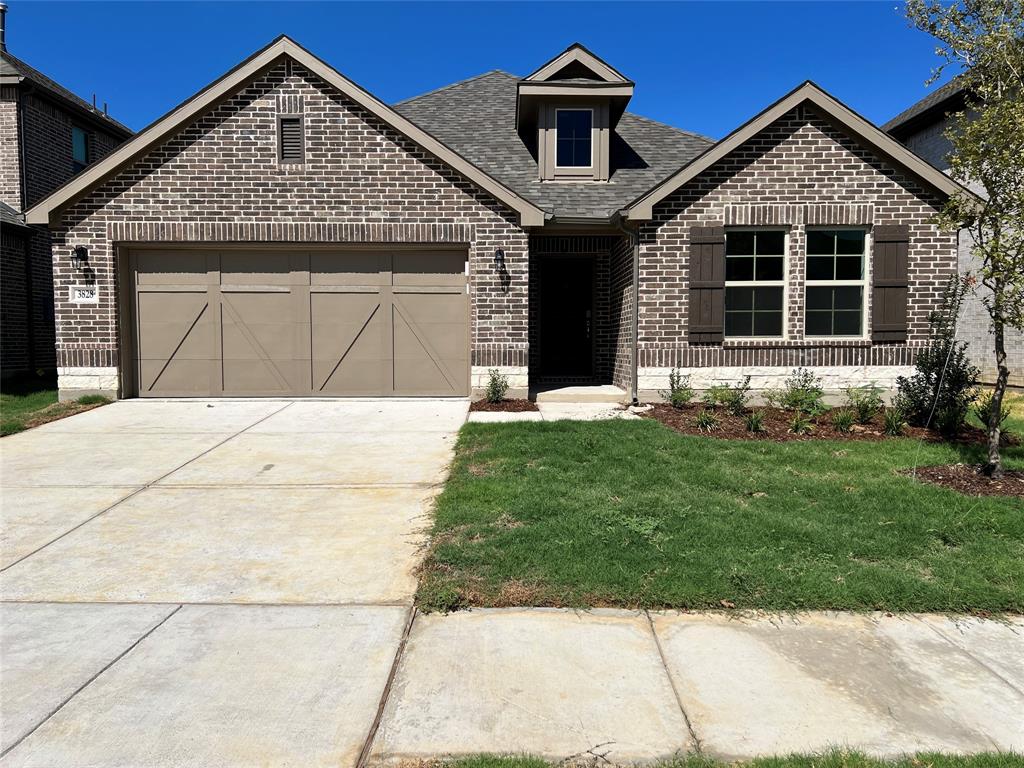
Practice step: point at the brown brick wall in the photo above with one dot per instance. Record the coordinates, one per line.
(219, 179)
(621, 313)
(799, 171)
(10, 161)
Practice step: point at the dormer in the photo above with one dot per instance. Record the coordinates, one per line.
(567, 110)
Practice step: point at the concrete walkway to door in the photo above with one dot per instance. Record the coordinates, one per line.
(221, 582)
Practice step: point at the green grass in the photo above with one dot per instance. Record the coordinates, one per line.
(34, 399)
(834, 759)
(630, 513)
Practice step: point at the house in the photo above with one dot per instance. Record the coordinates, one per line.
(922, 128)
(48, 134)
(284, 232)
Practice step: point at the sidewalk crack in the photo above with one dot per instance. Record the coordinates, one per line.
(698, 748)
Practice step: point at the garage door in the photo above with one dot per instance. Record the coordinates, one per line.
(300, 323)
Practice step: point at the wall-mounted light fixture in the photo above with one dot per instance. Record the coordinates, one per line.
(499, 259)
(79, 256)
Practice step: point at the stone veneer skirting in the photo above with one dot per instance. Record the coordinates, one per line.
(73, 382)
(834, 378)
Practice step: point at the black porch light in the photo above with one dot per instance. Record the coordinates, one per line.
(79, 256)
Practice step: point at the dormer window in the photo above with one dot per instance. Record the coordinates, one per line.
(573, 139)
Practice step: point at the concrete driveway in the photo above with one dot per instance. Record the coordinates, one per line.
(210, 582)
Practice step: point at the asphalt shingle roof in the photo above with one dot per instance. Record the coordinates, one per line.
(13, 66)
(477, 118)
(936, 98)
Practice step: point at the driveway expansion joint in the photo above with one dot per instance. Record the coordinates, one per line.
(697, 747)
(962, 649)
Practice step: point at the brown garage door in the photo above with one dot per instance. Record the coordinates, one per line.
(300, 323)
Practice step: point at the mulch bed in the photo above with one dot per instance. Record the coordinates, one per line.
(969, 480)
(777, 422)
(514, 406)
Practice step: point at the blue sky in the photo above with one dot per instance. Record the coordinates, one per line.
(706, 67)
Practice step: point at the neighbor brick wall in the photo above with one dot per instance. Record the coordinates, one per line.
(10, 159)
(975, 326)
(798, 171)
(219, 180)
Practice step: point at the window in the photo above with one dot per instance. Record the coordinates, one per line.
(835, 283)
(573, 138)
(79, 149)
(290, 140)
(755, 267)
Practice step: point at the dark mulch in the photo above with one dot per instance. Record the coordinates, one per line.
(777, 427)
(516, 406)
(970, 481)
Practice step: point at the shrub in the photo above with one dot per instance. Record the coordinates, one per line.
(865, 402)
(733, 399)
(755, 421)
(843, 419)
(801, 392)
(707, 421)
(894, 422)
(679, 391)
(497, 386)
(800, 424)
(983, 409)
(943, 385)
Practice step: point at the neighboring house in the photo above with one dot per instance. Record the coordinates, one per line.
(283, 232)
(922, 129)
(48, 134)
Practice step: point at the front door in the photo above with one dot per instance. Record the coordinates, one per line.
(567, 317)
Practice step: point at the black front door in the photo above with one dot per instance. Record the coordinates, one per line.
(567, 316)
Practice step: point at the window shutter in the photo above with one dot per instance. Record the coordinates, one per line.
(889, 283)
(290, 140)
(706, 321)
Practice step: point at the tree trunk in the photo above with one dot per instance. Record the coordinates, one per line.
(994, 466)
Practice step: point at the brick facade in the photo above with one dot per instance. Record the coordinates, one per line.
(36, 132)
(974, 327)
(799, 171)
(219, 180)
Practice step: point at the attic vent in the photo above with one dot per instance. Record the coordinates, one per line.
(290, 139)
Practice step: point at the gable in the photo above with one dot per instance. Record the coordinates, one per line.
(227, 87)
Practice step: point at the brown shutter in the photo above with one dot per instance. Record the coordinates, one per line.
(889, 283)
(707, 285)
(290, 140)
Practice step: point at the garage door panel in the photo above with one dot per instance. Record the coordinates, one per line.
(327, 323)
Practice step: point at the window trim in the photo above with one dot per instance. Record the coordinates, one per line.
(280, 143)
(75, 169)
(576, 168)
(864, 283)
(783, 283)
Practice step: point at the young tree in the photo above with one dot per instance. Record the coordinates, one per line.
(985, 39)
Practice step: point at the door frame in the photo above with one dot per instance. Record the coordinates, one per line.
(126, 311)
(545, 259)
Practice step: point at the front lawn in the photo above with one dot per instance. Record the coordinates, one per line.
(31, 401)
(834, 759)
(630, 513)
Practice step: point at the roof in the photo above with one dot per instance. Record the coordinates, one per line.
(476, 117)
(9, 217)
(12, 66)
(831, 109)
(948, 98)
(230, 83)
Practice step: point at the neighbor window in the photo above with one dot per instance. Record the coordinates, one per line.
(79, 149)
(573, 138)
(835, 283)
(754, 283)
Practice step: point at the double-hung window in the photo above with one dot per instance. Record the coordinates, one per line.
(574, 138)
(835, 283)
(755, 271)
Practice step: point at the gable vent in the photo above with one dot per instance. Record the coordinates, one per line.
(290, 139)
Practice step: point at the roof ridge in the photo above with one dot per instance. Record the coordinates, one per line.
(455, 85)
(673, 127)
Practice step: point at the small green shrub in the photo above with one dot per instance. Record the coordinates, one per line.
(754, 421)
(801, 392)
(497, 386)
(93, 400)
(983, 409)
(707, 421)
(800, 424)
(843, 419)
(894, 422)
(865, 402)
(679, 392)
(733, 399)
